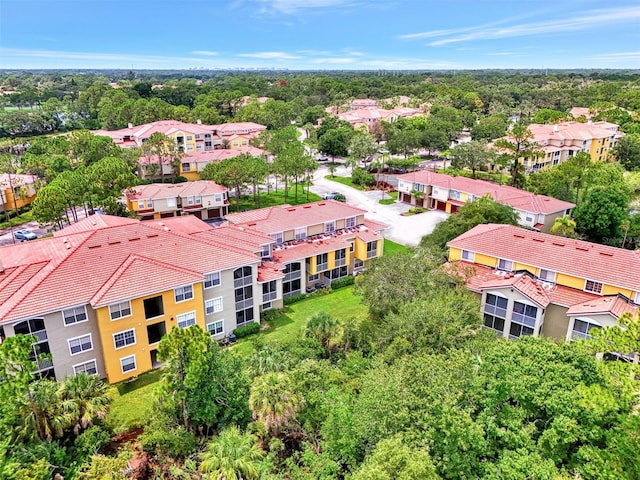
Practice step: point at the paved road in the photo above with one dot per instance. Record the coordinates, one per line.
(6, 235)
(405, 230)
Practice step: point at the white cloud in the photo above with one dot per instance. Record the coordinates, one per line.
(336, 60)
(618, 56)
(269, 55)
(591, 19)
(294, 6)
(207, 53)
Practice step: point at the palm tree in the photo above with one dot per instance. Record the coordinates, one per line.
(84, 398)
(232, 456)
(325, 329)
(42, 413)
(268, 359)
(273, 401)
(564, 226)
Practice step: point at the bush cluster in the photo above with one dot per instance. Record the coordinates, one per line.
(360, 177)
(294, 298)
(247, 330)
(342, 282)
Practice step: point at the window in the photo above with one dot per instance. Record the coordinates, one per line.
(594, 287)
(217, 197)
(140, 204)
(74, 315)
(269, 291)
(523, 320)
(213, 306)
(122, 339)
(128, 363)
(244, 316)
(352, 246)
(494, 323)
(155, 332)
(495, 305)
(90, 367)
(186, 319)
(171, 202)
(301, 233)
(313, 278)
(329, 227)
(506, 265)
(350, 222)
(455, 195)
(120, 310)
(153, 307)
(322, 262)
(215, 328)
(528, 218)
(80, 344)
(357, 263)
(418, 187)
(582, 329)
(277, 237)
(372, 249)
(637, 300)
(266, 251)
(212, 280)
(149, 203)
(183, 293)
(186, 167)
(341, 257)
(468, 256)
(547, 275)
(242, 277)
(189, 138)
(244, 297)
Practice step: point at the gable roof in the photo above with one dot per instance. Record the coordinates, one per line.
(174, 190)
(514, 197)
(615, 305)
(600, 263)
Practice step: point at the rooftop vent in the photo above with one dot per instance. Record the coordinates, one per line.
(114, 242)
(517, 235)
(558, 244)
(606, 254)
(582, 249)
(541, 240)
(153, 235)
(134, 239)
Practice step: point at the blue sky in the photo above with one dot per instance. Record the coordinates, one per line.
(320, 34)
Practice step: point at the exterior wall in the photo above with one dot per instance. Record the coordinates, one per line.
(13, 201)
(190, 176)
(226, 291)
(514, 296)
(239, 142)
(360, 249)
(602, 319)
(555, 322)
(550, 219)
(136, 321)
(315, 229)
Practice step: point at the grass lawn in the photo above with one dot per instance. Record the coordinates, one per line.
(19, 220)
(342, 304)
(393, 248)
(345, 181)
(133, 402)
(389, 201)
(274, 198)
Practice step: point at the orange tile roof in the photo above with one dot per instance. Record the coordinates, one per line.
(185, 225)
(174, 190)
(95, 256)
(615, 305)
(600, 263)
(269, 271)
(516, 198)
(94, 222)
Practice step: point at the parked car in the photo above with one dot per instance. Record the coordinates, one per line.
(334, 196)
(24, 234)
(322, 158)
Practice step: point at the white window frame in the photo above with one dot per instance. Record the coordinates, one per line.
(330, 227)
(594, 283)
(277, 236)
(84, 370)
(212, 276)
(80, 344)
(124, 332)
(314, 277)
(212, 331)
(140, 204)
(350, 222)
(591, 324)
(468, 255)
(129, 357)
(74, 316)
(184, 291)
(547, 275)
(213, 305)
(120, 310)
(186, 319)
(149, 203)
(503, 268)
(300, 233)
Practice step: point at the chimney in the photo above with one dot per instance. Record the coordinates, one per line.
(130, 125)
(199, 122)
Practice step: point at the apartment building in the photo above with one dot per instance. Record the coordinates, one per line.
(369, 116)
(100, 294)
(533, 283)
(17, 191)
(437, 191)
(557, 143)
(203, 198)
(316, 243)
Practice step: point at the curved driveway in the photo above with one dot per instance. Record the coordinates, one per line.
(404, 230)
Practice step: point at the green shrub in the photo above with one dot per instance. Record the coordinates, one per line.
(270, 315)
(174, 442)
(343, 282)
(294, 298)
(247, 330)
(91, 441)
(360, 177)
(321, 291)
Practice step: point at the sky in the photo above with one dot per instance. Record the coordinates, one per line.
(319, 34)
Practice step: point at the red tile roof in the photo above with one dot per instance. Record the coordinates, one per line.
(601, 263)
(169, 190)
(614, 305)
(287, 217)
(269, 271)
(518, 199)
(76, 267)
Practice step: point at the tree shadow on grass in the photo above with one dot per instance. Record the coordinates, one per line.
(143, 380)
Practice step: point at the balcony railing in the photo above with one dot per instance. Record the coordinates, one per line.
(292, 276)
(242, 282)
(41, 335)
(340, 262)
(321, 267)
(372, 253)
(267, 297)
(244, 304)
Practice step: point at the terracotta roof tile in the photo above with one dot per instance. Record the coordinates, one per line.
(614, 305)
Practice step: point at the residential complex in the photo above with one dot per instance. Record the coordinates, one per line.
(369, 116)
(532, 283)
(17, 191)
(202, 198)
(101, 293)
(557, 143)
(189, 137)
(317, 242)
(443, 192)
